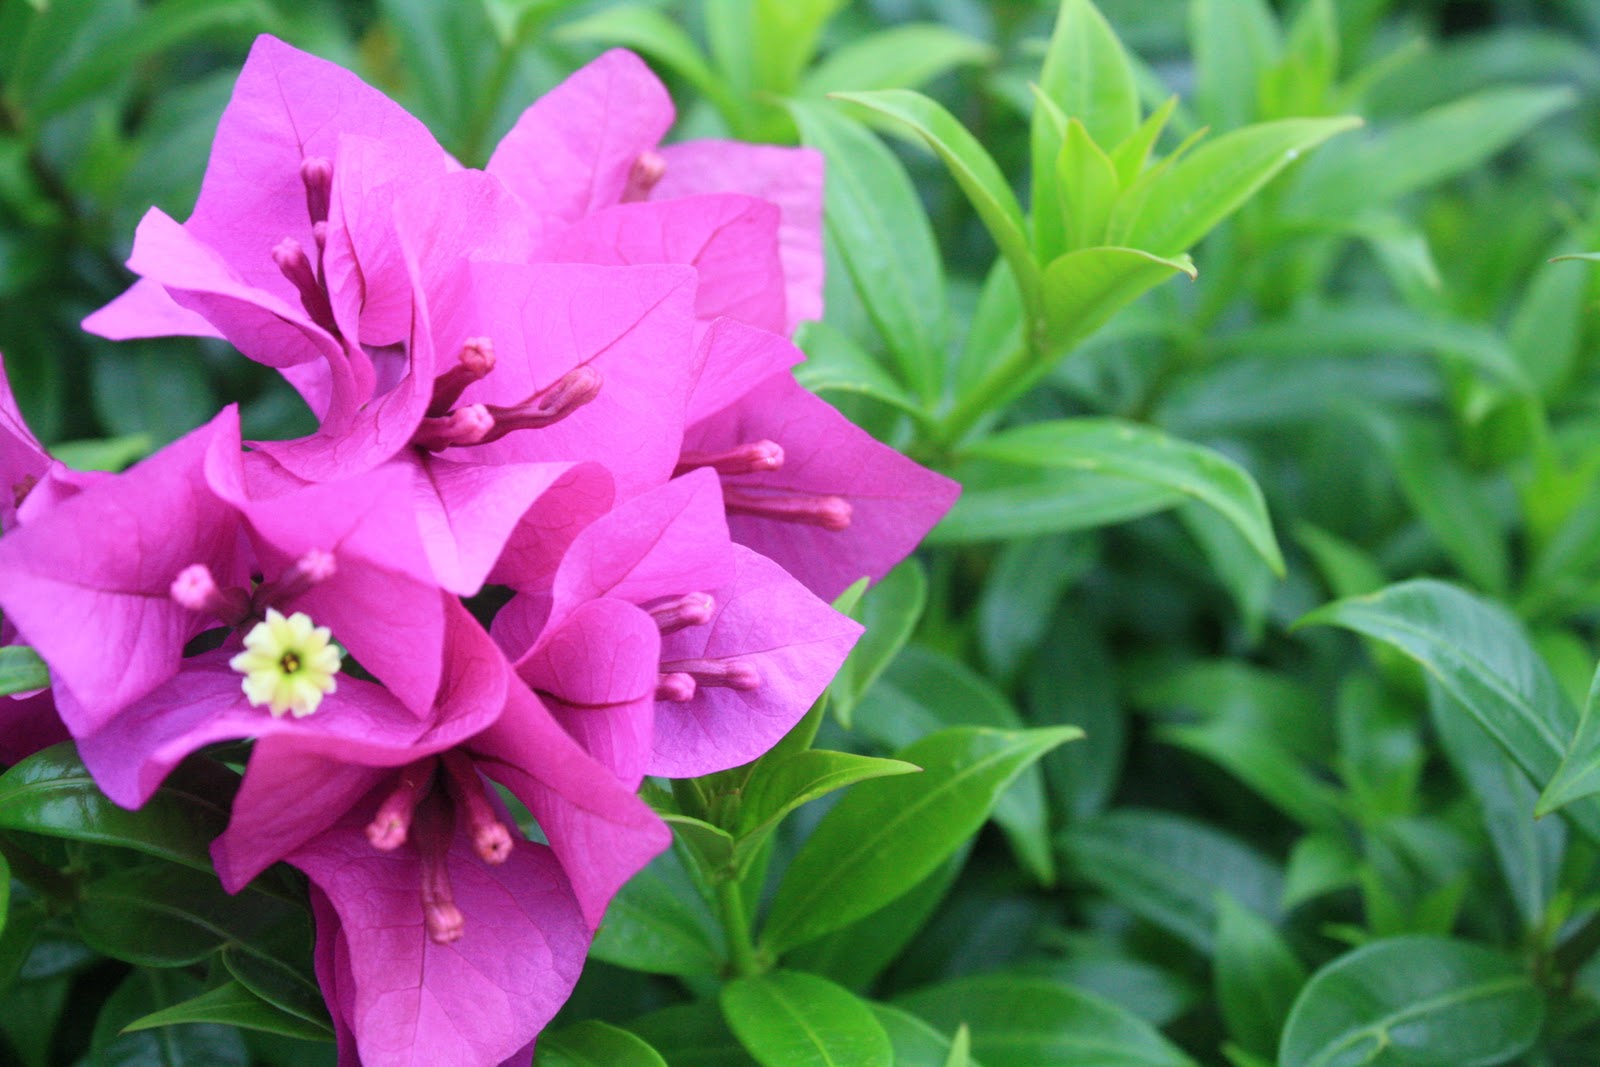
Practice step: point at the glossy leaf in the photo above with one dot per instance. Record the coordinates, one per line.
(887, 835)
(1426, 1001)
(972, 167)
(595, 1044)
(21, 670)
(51, 793)
(799, 778)
(1024, 1022)
(187, 1045)
(1134, 452)
(793, 1019)
(231, 1004)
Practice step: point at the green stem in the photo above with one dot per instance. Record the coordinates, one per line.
(742, 958)
(1014, 375)
(44, 879)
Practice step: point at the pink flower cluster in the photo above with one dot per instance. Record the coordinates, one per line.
(555, 394)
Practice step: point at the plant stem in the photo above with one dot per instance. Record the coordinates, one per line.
(742, 957)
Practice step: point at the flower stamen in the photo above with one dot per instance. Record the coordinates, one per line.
(288, 664)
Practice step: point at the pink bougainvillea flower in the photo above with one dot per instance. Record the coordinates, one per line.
(594, 142)
(665, 649)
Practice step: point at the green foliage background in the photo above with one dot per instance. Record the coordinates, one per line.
(1374, 411)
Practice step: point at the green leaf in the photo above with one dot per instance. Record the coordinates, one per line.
(104, 454)
(1458, 510)
(275, 967)
(5, 900)
(1083, 289)
(799, 778)
(1074, 681)
(793, 1019)
(1133, 153)
(1319, 864)
(1235, 42)
(903, 56)
(916, 1044)
(646, 30)
(923, 692)
(1086, 73)
(1087, 184)
(889, 611)
(1265, 765)
(877, 224)
(836, 363)
(692, 1035)
(1140, 453)
(1424, 1001)
(973, 169)
(1480, 655)
(1024, 1022)
(1257, 977)
(163, 915)
(1170, 870)
(1440, 143)
(785, 39)
(1579, 774)
(1001, 501)
(51, 793)
(1020, 595)
(887, 835)
(21, 670)
(595, 1044)
(659, 923)
(231, 1004)
(189, 1045)
(1179, 206)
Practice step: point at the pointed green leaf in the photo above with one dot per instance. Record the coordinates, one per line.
(877, 224)
(887, 835)
(1084, 288)
(836, 363)
(1480, 655)
(21, 670)
(797, 779)
(1086, 73)
(793, 1019)
(593, 1043)
(916, 1044)
(1579, 774)
(889, 612)
(659, 923)
(905, 56)
(1021, 1021)
(1001, 501)
(973, 168)
(52, 793)
(231, 1004)
(1257, 977)
(1426, 1001)
(1087, 184)
(1133, 153)
(1183, 204)
(711, 846)
(1134, 452)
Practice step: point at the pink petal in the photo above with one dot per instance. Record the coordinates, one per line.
(602, 832)
(893, 500)
(788, 177)
(666, 542)
(538, 543)
(634, 326)
(571, 152)
(767, 620)
(331, 961)
(146, 309)
(735, 359)
(22, 460)
(597, 673)
(480, 999)
(88, 582)
(730, 240)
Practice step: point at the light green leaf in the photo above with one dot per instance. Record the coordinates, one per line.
(1000, 501)
(711, 846)
(916, 1044)
(904, 56)
(1140, 453)
(105, 454)
(21, 670)
(231, 1004)
(1025, 1022)
(879, 228)
(1084, 288)
(1235, 42)
(793, 1019)
(889, 612)
(1133, 153)
(796, 779)
(646, 30)
(835, 363)
(1176, 208)
(973, 169)
(1411, 155)
(1257, 977)
(1480, 655)
(1423, 1001)
(593, 1043)
(1087, 185)
(887, 835)
(52, 793)
(1319, 864)
(1578, 776)
(1086, 73)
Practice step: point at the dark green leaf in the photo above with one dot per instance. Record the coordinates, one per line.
(1026, 1022)
(189, 1045)
(659, 923)
(1001, 501)
(692, 1035)
(21, 670)
(793, 1019)
(51, 793)
(231, 1004)
(1257, 977)
(889, 834)
(595, 1044)
(889, 611)
(1423, 1001)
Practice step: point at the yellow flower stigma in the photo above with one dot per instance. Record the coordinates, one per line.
(288, 664)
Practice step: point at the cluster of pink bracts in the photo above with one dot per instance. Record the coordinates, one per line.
(566, 377)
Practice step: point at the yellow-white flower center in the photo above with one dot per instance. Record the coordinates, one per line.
(288, 664)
